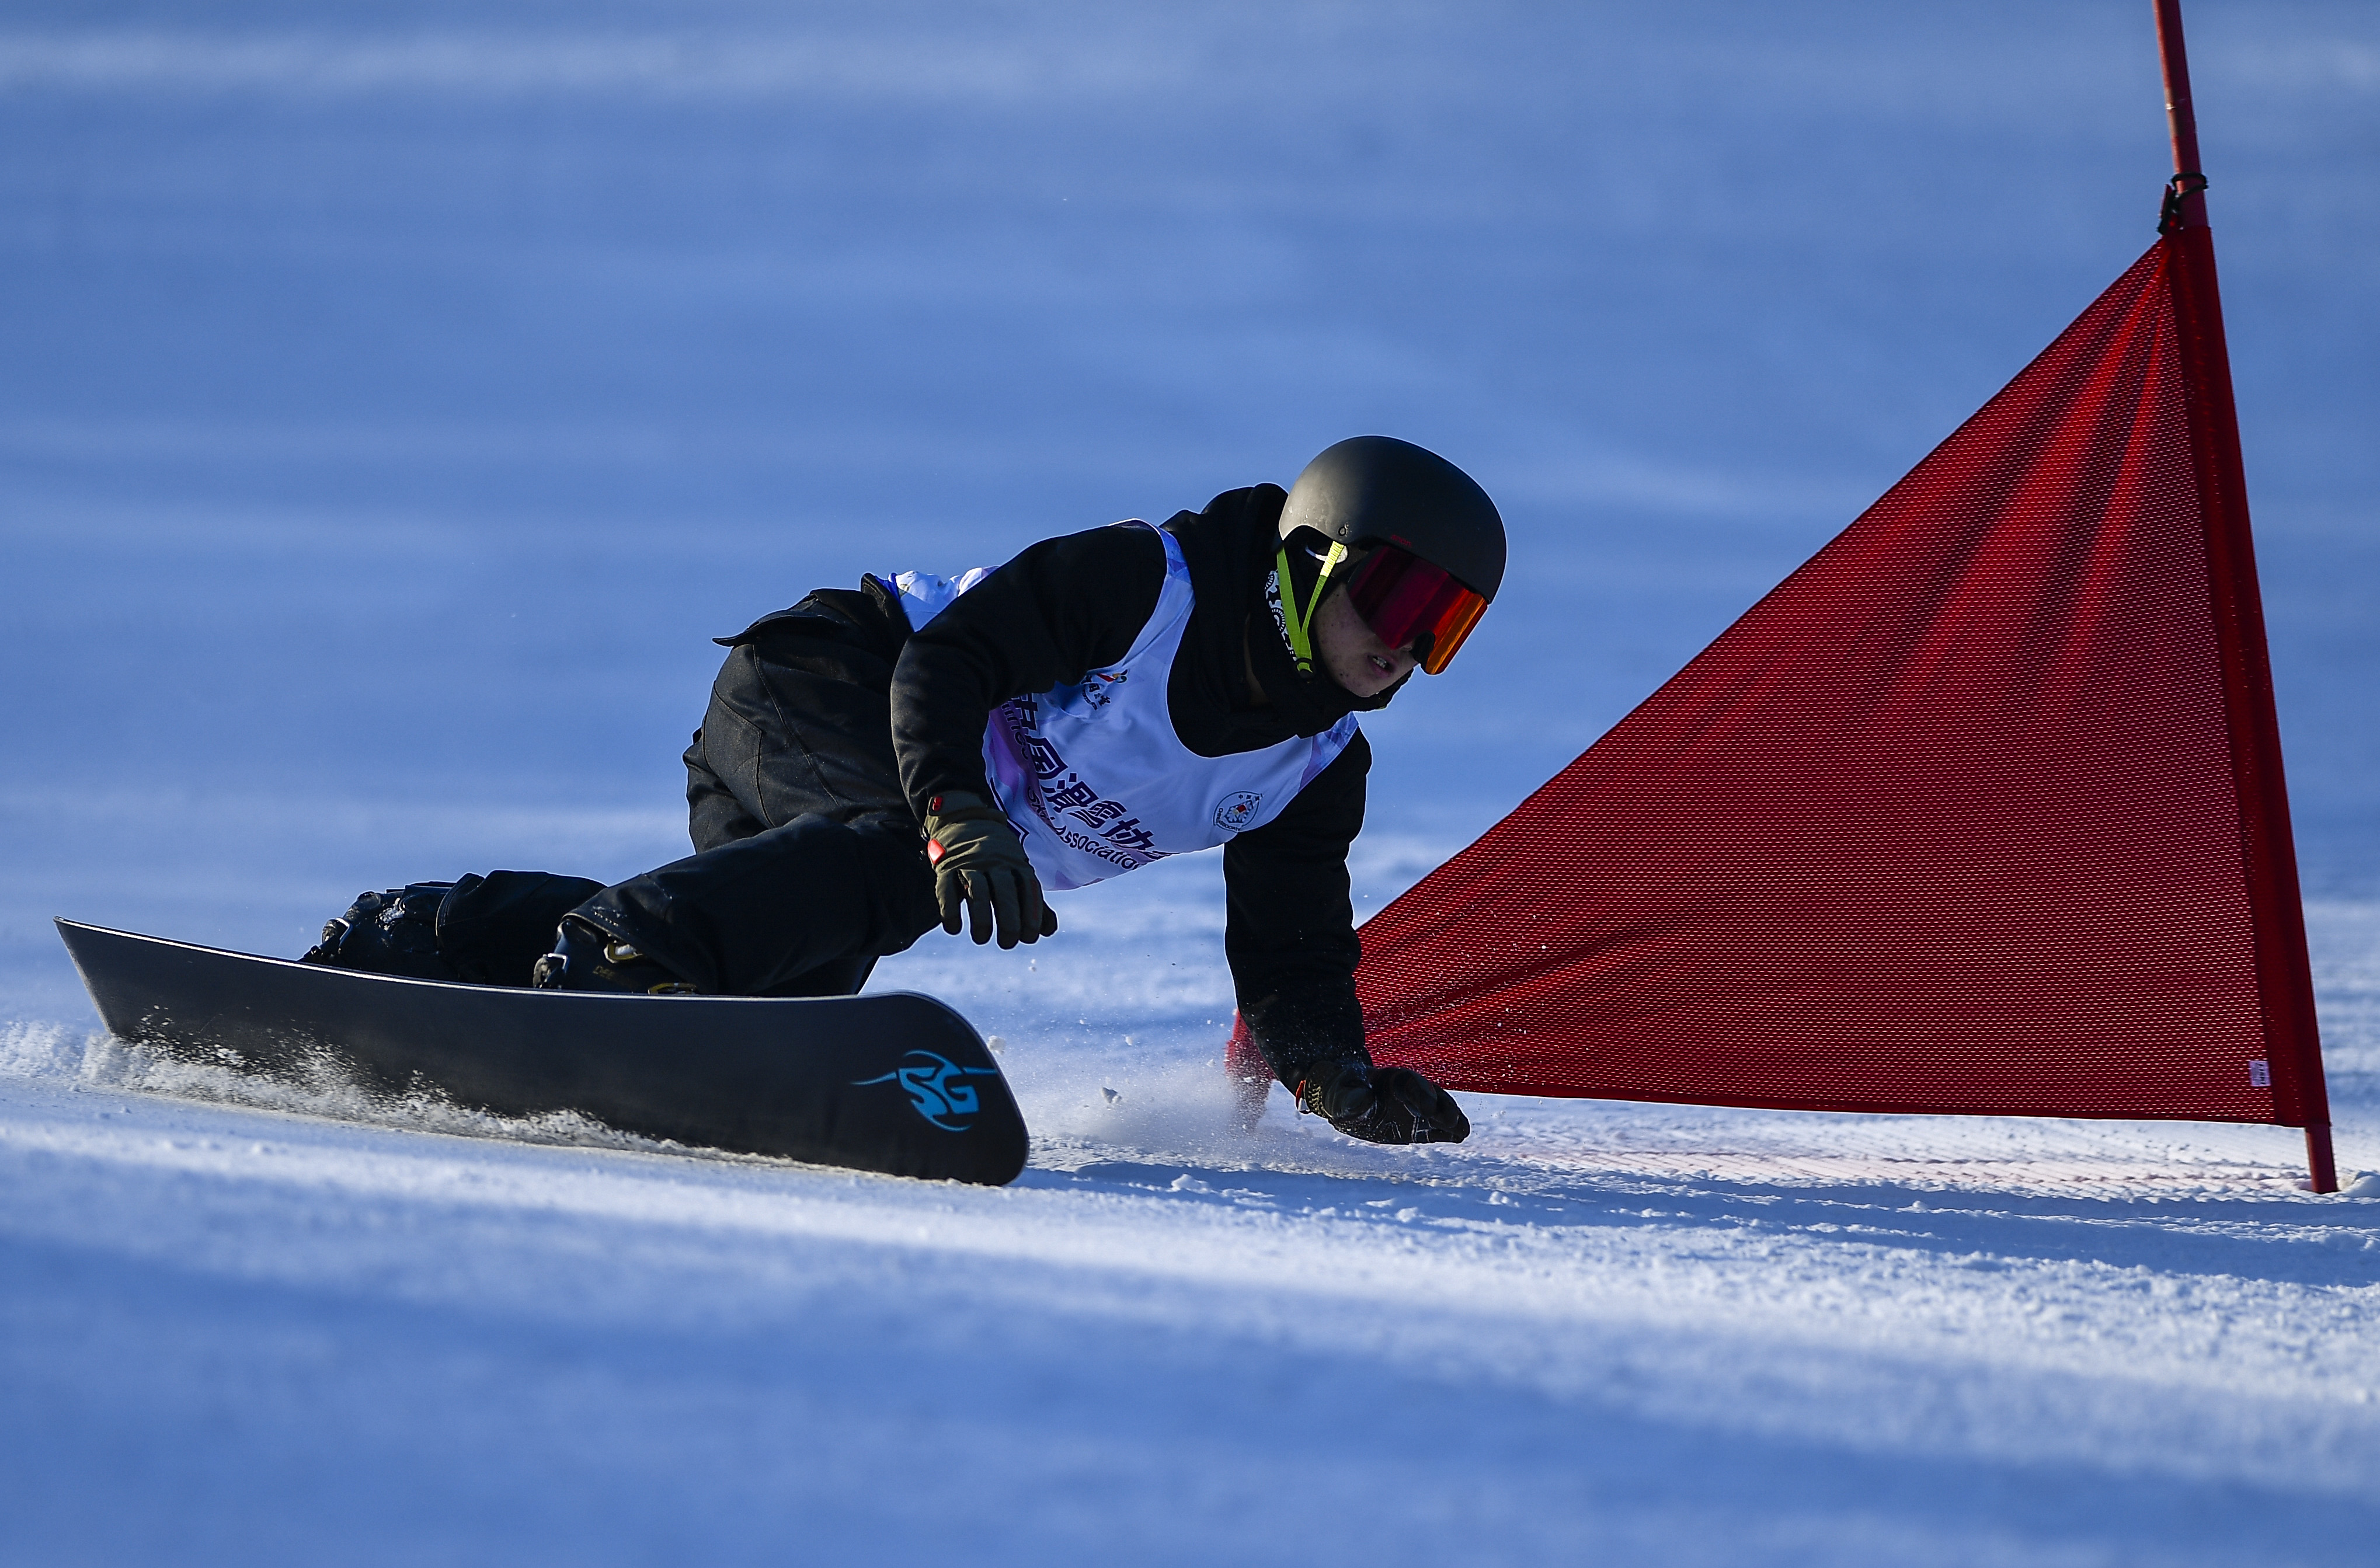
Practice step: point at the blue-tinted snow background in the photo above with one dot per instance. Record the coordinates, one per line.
(393, 402)
(395, 398)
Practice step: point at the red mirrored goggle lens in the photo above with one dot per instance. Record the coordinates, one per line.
(1404, 599)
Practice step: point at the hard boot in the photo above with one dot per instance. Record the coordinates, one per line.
(584, 958)
(391, 933)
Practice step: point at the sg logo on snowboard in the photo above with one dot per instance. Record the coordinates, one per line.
(938, 1089)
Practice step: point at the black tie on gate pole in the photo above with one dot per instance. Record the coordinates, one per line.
(2284, 974)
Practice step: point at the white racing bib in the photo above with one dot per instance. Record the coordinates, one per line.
(1093, 778)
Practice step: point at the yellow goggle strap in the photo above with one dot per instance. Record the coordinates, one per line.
(1295, 620)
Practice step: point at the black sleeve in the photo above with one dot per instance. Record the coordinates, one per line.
(1291, 930)
(1058, 610)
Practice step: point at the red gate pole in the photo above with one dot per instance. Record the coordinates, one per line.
(2180, 116)
(2284, 974)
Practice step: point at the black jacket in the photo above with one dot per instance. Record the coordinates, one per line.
(1067, 606)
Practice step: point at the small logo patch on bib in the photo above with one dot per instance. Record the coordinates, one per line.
(1236, 810)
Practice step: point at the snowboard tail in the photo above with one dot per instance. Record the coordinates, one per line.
(894, 1082)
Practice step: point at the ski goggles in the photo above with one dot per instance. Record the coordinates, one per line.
(1405, 600)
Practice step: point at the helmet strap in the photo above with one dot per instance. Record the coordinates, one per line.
(1298, 623)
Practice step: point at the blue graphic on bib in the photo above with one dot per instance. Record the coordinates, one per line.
(938, 1089)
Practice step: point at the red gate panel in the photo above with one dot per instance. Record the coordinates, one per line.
(1979, 811)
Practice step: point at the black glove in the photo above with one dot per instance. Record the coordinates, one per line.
(1382, 1104)
(980, 869)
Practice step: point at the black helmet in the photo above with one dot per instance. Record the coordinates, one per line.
(1437, 544)
(1380, 490)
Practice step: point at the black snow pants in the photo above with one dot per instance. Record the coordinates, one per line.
(809, 864)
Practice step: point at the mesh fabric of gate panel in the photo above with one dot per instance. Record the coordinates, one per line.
(1948, 822)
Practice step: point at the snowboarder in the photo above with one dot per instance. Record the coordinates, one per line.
(925, 751)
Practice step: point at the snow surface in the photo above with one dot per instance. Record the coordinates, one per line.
(1594, 1331)
(393, 399)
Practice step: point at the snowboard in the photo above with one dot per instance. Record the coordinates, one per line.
(894, 1082)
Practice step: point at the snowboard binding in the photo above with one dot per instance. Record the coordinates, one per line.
(394, 932)
(586, 959)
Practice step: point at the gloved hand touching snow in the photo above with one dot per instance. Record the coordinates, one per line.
(1382, 1104)
(980, 870)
